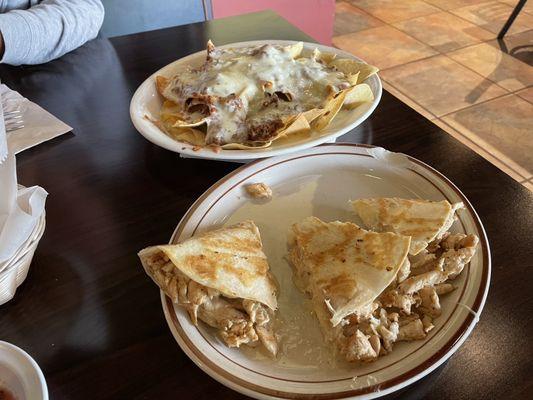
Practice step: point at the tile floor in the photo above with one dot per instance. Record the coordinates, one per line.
(442, 58)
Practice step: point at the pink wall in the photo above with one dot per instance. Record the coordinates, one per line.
(314, 17)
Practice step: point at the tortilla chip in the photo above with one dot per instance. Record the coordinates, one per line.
(357, 95)
(187, 135)
(325, 57)
(298, 124)
(332, 107)
(161, 83)
(295, 49)
(350, 67)
(242, 146)
(172, 115)
(312, 114)
(353, 78)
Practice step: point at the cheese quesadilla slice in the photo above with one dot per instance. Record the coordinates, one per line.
(423, 220)
(343, 267)
(221, 277)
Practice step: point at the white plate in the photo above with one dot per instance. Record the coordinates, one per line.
(20, 374)
(319, 182)
(146, 101)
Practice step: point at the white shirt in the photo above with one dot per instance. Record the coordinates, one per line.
(36, 31)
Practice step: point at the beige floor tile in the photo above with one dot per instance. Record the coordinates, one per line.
(493, 64)
(497, 159)
(384, 46)
(395, 10)
(493, 15)
(528, 185)
(451, 4)
(528, 7)
(503, 124)
(444, 31)
(526, 94)
(441, 85)
(350, 19)
(404, 99)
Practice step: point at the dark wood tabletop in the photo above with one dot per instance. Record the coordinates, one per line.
(90, 316)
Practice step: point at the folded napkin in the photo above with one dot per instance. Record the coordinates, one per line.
(20, 210)
(39, 124)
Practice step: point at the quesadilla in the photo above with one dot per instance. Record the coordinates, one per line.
(343, 268)
(221, 277)
(423, 220)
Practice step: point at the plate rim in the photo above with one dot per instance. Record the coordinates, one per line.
(159, 138)
(435, 359)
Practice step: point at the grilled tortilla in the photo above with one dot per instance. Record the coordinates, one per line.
(221, 277)
(423, 220)
(343, 267)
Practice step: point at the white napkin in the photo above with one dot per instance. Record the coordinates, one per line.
(20, 210)
(39, 124)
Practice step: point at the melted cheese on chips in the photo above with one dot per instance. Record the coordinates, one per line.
(251, 95)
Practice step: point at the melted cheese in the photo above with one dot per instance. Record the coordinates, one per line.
(250, 78)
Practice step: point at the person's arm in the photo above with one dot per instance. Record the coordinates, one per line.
(48, 30)
(1, 45)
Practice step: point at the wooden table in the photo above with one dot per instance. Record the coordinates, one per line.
(91, 317)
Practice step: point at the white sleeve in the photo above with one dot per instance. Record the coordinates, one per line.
(49, 30)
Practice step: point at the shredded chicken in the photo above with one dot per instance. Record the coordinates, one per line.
(414, 330)
(259, 191)
(358, 348)
(238, 321)
(404, 271)
(406, 310)
(429, 301)
(427, 322)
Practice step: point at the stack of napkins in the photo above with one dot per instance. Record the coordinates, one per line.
(21, 209)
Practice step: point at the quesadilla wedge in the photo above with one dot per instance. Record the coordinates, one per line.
(423, 220)
(343, 268)
(221, 277)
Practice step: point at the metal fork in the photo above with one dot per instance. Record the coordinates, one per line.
(12, 117)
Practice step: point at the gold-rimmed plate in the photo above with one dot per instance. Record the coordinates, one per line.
(319, 182)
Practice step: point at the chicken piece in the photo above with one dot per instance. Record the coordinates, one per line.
(423, 262)
(197, 295)
(407, 319)
(358, 348)
(389, 335)
(237, 333)
(392, 298)
(415, 283)
(172, 280)
(234, 326)
(458, 241)
(429, 303)
(261, 317)
(404, 271)
(375, 343)
(259, 191)
(459, 251)
(414, 330)
(427, 322)
(267, 338)
(444, 288)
